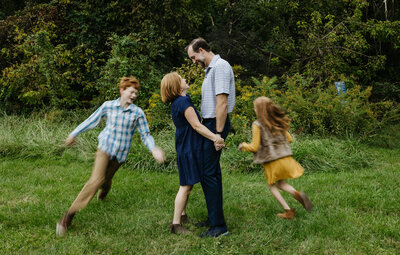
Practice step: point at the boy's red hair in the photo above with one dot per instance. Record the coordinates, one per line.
(131, 81)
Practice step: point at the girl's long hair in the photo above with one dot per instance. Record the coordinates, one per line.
(270, 115)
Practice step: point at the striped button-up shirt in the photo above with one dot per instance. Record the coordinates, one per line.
(219, 79)
(116, 137)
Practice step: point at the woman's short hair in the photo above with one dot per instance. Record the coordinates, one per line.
(131, 81)
(170, 87)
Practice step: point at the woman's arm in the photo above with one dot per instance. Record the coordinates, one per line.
(191, 117)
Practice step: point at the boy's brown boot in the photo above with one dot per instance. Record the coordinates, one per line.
(289, 214)
(178, 229)
(304, 200)
(64, 223)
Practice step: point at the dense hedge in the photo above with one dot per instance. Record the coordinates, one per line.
(67, 54)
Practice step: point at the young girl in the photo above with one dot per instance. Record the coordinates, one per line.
(189, 137)
(270, 145)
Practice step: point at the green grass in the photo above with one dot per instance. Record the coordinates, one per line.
(356, 204)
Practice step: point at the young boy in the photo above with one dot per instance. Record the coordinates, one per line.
(123, 117)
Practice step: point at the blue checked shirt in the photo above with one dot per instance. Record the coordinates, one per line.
(116, 137)
(219, 79)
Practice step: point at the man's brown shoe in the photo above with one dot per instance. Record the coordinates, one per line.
(178, 229)
(304, 200)
(64, 223)
(289, 214)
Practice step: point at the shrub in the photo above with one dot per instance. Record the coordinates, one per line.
(317, 109)
(128, 58)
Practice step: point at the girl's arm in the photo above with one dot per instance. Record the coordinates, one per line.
(289, 137)
(255, 141)
(191, 117)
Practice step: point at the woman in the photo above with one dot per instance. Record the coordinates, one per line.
(188, 139)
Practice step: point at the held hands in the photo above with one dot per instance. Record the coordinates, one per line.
(219, 143)
(158, 154)
(70, 141)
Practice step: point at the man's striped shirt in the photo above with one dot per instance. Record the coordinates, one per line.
(219, 79)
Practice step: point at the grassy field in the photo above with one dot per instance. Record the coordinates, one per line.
(355, 190)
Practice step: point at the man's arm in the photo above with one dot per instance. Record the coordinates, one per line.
(221, 111)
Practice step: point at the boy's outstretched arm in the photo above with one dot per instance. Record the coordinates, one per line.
(158, 154)
(89, 123)
(70, 141)
(148, 140)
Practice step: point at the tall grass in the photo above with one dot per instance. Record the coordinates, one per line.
(43, 137)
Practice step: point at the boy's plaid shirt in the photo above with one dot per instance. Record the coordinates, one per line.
(116, 137)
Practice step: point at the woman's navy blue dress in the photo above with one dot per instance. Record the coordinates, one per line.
(188, 143)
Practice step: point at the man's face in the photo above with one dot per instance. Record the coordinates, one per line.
(196, 57)
(129, 95)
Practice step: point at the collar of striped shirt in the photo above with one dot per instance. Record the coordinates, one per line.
(213, 61)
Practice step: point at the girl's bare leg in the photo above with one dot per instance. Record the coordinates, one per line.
(286, 187)
(275, 191)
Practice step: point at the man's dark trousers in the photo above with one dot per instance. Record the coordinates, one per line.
(211, 176)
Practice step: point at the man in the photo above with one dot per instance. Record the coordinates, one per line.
(217, 100)
(123, 117)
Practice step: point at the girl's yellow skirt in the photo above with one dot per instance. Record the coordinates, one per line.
(281, 169)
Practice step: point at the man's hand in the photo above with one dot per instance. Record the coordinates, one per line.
(219, 143)
(158, 154)
(70, 141)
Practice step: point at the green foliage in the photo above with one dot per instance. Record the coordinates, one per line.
(317, 109)
(128, 57)
(40, 79)
(71, 54)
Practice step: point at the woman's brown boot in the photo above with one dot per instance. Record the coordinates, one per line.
(304, 200)
(289, 214)
(178, 229)
(185, 219)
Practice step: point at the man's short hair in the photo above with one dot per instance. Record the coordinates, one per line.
(131, 81)
(197, 44)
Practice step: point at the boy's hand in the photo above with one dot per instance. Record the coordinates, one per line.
(240, 147)
(70, 141)
(158, 155)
